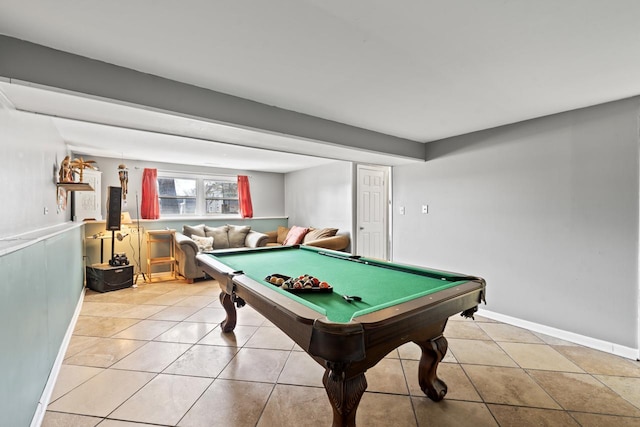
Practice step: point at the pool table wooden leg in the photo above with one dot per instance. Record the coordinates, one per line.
(432, 353)
(344, 394)
(229, 323)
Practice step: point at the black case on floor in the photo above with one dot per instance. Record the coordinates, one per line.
(104, 278)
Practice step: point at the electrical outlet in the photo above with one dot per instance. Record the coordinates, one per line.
(401, 210)
(46, 210)
(425, 209)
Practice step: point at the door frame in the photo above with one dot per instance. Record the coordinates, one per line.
(356, 201)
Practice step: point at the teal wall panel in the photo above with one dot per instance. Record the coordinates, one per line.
(41, 286)
(23, 335)
(64, 261)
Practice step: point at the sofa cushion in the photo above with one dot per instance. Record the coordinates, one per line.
(204, 243)
(220, 236)
(237, 235)
(193, 230)
(319, 233)
(295, 235)
(282, 234)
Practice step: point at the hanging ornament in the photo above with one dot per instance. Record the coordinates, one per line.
(123, 174)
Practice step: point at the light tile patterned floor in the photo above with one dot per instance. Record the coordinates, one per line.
(155, 355)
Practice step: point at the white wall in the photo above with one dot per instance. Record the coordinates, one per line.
(321, 197)
(31, 150)
(545, 210)
(40, 263)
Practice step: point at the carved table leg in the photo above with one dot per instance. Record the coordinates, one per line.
(229, 323)
(432, 353)
(344, 394)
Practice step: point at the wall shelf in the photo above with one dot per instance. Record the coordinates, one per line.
(75, 186)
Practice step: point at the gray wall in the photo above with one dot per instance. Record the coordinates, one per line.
(42, 274)
(267, 189)
(321, 197)
(546, 211)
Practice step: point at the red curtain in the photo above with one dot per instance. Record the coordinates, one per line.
(150, 206)
(244, 196)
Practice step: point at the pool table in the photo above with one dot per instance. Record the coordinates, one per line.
(371, 308)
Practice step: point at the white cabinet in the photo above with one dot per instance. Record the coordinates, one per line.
(87, 204)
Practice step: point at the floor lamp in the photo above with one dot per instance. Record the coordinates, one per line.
(140, 272)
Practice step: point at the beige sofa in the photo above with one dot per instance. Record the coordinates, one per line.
(195, 239)
(327, 238)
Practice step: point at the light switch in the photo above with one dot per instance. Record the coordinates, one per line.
(425, 209)
(401, 210)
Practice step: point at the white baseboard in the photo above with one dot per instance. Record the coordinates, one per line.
(618, 350)
(38, 417)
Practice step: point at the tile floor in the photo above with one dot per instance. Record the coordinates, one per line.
(154, 355)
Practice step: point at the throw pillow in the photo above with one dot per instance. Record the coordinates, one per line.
(282, 234)
(237, 235)
(295, 235)
(220, 236)
(203, 243)
(319, 233)
(193, 230)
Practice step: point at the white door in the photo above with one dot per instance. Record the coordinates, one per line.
(372, 211)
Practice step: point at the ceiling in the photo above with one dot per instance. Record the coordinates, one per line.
(416, 69)
(102, 128)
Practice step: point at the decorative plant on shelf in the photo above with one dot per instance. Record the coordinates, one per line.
(79, 164)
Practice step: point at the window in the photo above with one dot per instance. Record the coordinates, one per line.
(177, 196)
(221, 197)
(197, 195)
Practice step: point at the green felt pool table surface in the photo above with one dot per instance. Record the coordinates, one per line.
(399, 304)
(380, 284)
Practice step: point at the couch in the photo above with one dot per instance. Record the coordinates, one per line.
(327, 238)
(198, 238)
